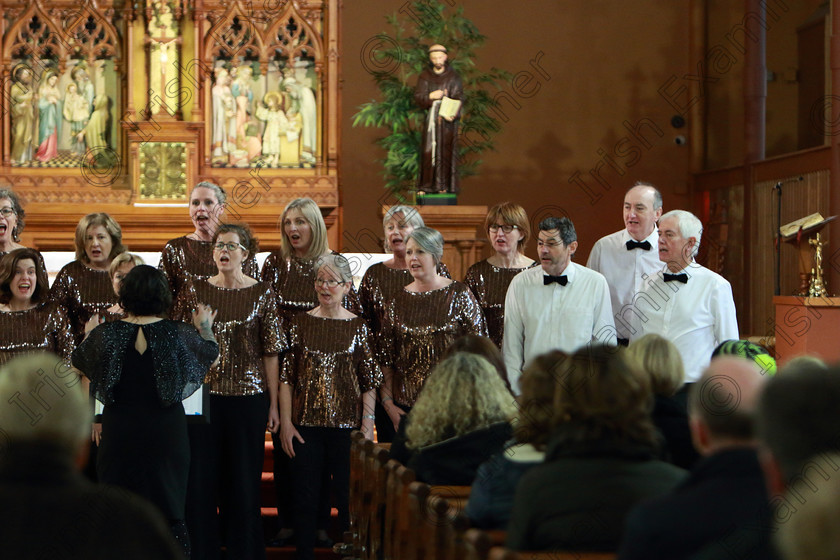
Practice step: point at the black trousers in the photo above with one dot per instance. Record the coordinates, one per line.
(227, 466)
(385, 431)
(327, 450)
(283, 494)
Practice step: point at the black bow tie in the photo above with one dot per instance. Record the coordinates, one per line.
(548, 279)
(645, 245)
(676, 277)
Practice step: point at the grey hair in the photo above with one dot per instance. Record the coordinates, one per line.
(689, 226)
(564, 226)
(430, 240)
(43, 401)
(19, 212)
(337, 263)
(657, 196)
(411, 216)
(220, 193)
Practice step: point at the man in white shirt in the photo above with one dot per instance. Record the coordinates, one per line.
(558, 306)
(624, 257)
(684, 302)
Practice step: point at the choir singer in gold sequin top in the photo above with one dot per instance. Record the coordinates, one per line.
(243, 386)
(507, 227)
(328, 384)
(420, 322)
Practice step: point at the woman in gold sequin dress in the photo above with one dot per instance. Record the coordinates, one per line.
(328, 381)
(119, 268)
(291, 273)
(29, 322)
(191, 256)
(11, 224)
(508, 229)
(243, 393)
(420, 322)
(83, 286)
(383, 281)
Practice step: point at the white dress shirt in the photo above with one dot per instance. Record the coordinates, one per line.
(624, 269)
(695, 316)
(539, 318)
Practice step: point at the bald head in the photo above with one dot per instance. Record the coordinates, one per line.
(725, 397)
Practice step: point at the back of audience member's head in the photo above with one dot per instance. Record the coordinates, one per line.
(722, 403)
(536, 402)
(43, 402)
(799, 362)
(602, 394)
(798, 416)
(748, 350)
(145, 291)
(810, 531)
(463, 393)
(661, 360)
(480, 346)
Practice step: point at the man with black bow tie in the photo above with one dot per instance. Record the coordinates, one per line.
(624, 257)
(559, 306)
(684, 302)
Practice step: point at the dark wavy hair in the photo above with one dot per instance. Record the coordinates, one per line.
(145, 291)
(7, 271)
(246, 237)
(602, 393)
(19, 212)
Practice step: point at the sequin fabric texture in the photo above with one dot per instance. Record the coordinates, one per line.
(418, 327)
(185, 259)
(380, 285)
(44, 327)
(329, 366)
(489, 284)
(182, 358)
(293, 282)
(247, 327)
(82, 291)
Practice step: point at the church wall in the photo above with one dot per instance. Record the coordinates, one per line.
(585, 117)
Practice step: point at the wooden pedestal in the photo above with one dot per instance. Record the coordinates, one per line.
(807, 326)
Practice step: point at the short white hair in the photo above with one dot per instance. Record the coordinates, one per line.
(689, 226)
(41, 400)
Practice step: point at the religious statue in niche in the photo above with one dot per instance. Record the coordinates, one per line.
(224, 117)
(440, 91)
(163, 39)
(62, 119)
(23, 113)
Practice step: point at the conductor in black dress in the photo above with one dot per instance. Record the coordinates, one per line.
(141, 368)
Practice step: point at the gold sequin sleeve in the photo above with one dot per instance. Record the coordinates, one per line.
(184, 259)
(247, 327)
(489, 285)
(418, 327)
(82, 291)
(42, 328)
(293, 283)
(329, 366)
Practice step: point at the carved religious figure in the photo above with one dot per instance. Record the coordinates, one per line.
(276, 124)
(224, 117)
(164, 62)
(439, 154)
(248, 145)
(95, 132)
(302, 99)
(23, 113)
(76, 112)
(49, 116)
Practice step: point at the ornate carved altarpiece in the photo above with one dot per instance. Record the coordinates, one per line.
(122, 107)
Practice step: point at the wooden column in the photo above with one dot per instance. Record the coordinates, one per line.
(833, 266)
(755, 96)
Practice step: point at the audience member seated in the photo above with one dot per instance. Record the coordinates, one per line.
(480, 346)
(461, 417)
(811, 533)
(661, 360)
(797, 421)
(726, 490)
(491, 498)
(49, 509)
(750, 351)
(600, 459)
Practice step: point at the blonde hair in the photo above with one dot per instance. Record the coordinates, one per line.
(111, 226)
(464, 393)
(312, 214)
(661, 360)
(121, 259)
(59, 415)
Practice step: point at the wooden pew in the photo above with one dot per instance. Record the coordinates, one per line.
(375, 462)
(357, 462)
(396, 522)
